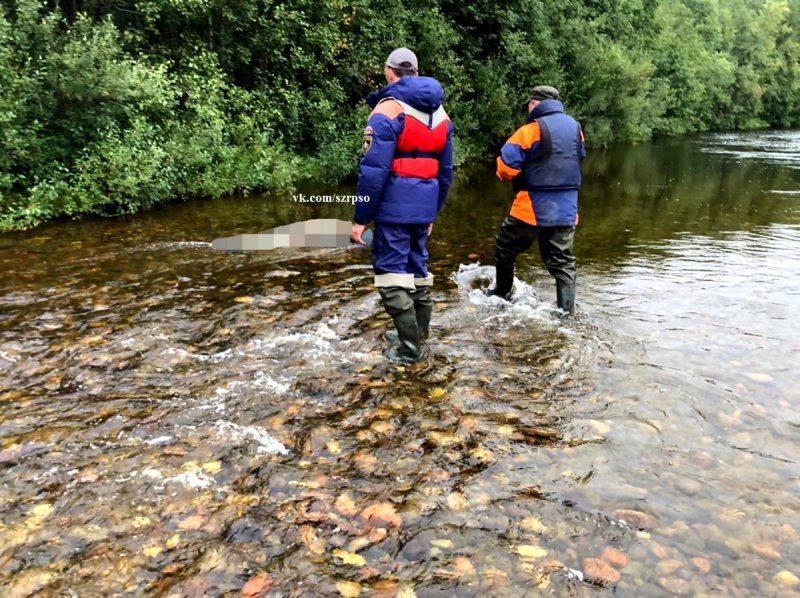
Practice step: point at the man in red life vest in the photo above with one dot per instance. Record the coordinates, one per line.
(405, 171)
(542, 159)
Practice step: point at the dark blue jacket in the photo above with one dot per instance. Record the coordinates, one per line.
(556, 165)
(392, 198)
(543, 159)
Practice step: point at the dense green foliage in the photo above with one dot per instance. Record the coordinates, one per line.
(111, 106)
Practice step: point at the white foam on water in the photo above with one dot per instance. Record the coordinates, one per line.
(363, 267)
(264, 443)
(350, 355)
(467, 274)
(7, 357)
(192, 479)
(281, 273)
(214, 358)
(314, 344)
(195, 480)
(159, 440)
(153, 474)
(525, 305)
(172, 351)
(52, 471)
(217, 402)
(317, 343)
(224, 391)
(262, 380)
(574, 574)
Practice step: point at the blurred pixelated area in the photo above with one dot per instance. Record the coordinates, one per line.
(322, 232)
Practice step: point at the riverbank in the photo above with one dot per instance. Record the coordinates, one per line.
(113, 111)
(282, 182)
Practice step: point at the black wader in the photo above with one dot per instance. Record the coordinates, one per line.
(555, 247)
(399, 304)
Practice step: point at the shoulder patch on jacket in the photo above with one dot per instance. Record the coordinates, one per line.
(369, 134)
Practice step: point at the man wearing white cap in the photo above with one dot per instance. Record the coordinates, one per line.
(405, 171)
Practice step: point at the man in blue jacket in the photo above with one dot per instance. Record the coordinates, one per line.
(405, 172)
(542, 159)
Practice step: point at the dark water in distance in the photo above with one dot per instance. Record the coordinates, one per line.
(179, 421)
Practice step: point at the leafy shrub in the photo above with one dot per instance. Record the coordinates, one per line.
(110, 109)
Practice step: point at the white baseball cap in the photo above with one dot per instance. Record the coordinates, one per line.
(402, 58)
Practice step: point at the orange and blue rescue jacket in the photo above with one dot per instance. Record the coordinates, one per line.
(407, 164)
(543, 160)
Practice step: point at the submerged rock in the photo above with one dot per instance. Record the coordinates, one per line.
(599, 572)
(635, 519)
(701, 564)
(675, 586)
(615, 558)
(786, 579)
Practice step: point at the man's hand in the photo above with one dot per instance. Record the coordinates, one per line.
(356, 232)
(430, 228)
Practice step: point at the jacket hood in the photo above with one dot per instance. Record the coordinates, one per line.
(423, 93)
(544, 108)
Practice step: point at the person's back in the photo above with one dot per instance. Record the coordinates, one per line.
(405, 172)
(410, 111)
(542, 159)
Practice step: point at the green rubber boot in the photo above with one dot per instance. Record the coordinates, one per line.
(565, 296)
(400, 306)
(423, 308)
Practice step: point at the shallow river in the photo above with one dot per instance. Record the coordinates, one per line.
(179, 421)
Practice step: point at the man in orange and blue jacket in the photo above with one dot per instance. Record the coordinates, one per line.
(405, 172)
(542, 159)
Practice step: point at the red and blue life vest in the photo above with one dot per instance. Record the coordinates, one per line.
(420, 143)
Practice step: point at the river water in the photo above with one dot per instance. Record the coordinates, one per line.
(178, 421)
